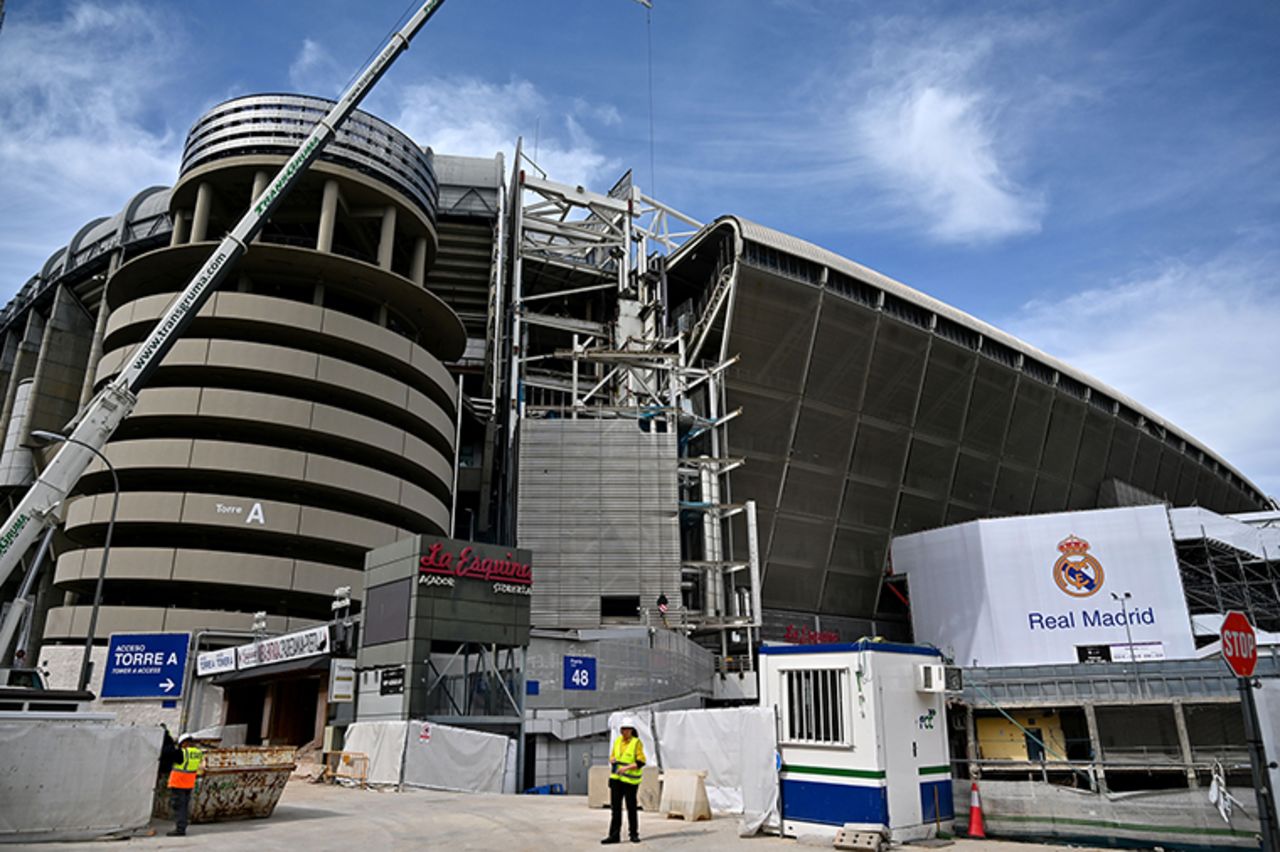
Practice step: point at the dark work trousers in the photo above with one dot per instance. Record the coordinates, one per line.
(181, 802)
(620, 791)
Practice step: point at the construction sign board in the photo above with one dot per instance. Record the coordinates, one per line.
(145, 665)
(1239, 644)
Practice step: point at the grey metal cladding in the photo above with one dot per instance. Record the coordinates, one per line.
(596, 507)
(632, 668)
(795, 259)
(868, 417)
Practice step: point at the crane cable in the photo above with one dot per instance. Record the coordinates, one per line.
(648, 28)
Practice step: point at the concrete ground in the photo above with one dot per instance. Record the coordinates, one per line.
(315, 817)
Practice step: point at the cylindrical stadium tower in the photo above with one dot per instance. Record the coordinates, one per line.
(306, 415)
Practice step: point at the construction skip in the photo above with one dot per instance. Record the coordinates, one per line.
(862, 734)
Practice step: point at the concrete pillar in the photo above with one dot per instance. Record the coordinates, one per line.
(268, 709)
(387, 240)
(419, 270)
(322, 709)
(178, 235)
(1184, 744)
(26, 356)
(99, 330)
(971, 742)
(382, 315)
(260, 179)
(1095, 745)
(200, 219)
(328, 216)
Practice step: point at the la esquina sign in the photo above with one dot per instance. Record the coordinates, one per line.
(470, 564)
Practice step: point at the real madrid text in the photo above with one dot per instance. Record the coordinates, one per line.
(1090, 618)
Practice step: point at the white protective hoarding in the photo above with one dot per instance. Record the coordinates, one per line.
(1039, 589)
(69, 779)
(1268, 702)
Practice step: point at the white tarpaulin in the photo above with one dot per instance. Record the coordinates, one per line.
(644, 730)
(383, 743)
(443, 757)
(738, 749)
(67, 780)
(509, 775)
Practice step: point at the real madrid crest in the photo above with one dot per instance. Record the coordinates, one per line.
(1076, 572)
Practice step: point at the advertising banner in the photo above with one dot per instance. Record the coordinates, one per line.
(215, 662)
(278, 649)
(1049, 588)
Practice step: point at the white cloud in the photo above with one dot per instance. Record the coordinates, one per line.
(77, 143)
(935, 135)
(314, 71)
(1194, 342)
(474, 117)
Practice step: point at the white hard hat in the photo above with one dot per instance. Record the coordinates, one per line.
(183, 737)
(628, 722)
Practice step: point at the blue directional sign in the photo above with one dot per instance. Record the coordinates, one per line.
(145, 665)
(580, 673)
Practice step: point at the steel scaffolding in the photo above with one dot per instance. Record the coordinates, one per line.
(1217, 577)
(589, 334)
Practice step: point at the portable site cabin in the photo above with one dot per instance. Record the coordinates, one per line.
(862, 733)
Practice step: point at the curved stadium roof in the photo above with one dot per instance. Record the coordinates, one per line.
(749, 231)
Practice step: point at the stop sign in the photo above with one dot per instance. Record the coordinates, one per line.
(1239, 644)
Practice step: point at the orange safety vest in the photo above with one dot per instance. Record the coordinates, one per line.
(183, 774)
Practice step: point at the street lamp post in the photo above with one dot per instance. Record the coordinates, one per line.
(56, 438)
(1123, 599)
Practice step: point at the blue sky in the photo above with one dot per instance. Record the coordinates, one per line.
(1100, 179)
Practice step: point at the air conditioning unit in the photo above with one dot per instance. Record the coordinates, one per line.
(931, 678)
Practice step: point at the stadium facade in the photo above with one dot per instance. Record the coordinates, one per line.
(723, 419)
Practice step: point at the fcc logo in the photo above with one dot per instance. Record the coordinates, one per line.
(1076, 572)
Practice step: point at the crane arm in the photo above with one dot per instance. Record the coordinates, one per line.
(94, 425)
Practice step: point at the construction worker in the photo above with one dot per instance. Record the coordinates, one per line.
(182, 782)
(626, 761)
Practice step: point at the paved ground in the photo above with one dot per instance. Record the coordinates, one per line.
(313, 817)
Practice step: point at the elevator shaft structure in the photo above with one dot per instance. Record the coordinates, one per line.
(592, 354)
(97, 421)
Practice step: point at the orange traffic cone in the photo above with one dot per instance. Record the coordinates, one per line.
(976, 826)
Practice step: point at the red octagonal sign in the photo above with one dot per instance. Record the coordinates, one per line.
(1239, 644)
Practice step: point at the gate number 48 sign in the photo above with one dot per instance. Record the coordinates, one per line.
(580, 673)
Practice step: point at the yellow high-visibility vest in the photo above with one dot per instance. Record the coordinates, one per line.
(624, 754)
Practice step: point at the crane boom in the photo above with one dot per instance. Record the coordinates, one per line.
(96, 422)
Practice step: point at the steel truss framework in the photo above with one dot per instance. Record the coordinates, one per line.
(1217, 577)
(589, 335)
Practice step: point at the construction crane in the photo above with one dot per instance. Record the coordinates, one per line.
(93, 426)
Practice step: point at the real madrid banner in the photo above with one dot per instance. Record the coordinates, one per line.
(1064, 588)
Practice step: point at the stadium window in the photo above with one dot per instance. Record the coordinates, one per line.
(814, 706)
(619, 606)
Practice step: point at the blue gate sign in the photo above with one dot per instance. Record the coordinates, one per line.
(145, 665)
(580, 673)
